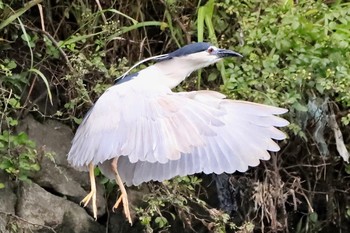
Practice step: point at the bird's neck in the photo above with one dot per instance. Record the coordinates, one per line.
(168, 73)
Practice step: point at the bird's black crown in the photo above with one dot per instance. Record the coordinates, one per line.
(186, 50)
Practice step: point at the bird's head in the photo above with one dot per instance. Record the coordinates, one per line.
(198, 55)
(174, 67)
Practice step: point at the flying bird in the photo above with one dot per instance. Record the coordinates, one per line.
(140, 130)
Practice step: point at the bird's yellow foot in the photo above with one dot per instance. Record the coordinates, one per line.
(92, 193)
(124, 196)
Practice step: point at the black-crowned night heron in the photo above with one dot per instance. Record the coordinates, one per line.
(139, 130)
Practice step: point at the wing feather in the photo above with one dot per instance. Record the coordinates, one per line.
(159, 134)
(145, 124)
(242, 141)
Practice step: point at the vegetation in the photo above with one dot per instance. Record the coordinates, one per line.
(296, 55)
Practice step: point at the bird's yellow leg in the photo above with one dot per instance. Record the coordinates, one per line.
(92, 193)
(124, 196)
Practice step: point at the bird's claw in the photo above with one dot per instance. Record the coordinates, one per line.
(92, 193)
(117, 203)
(86, 201)
(123, 198)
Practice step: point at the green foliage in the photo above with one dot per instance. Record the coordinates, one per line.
(18, 155)
(291, 52)
(10, 84)
(89, 76)
(182, 194)
(205, 22)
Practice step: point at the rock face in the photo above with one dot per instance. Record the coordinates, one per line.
(50, 202)
(56, 175)
(7, 202)
(42, 208)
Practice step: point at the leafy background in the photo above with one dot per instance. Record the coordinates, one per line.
(57, 58)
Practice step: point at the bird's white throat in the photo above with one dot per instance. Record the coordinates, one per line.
(173, 71)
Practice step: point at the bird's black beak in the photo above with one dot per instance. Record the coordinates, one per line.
(222, 53)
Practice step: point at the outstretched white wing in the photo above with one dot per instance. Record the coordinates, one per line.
(149, 124)
(186, 133)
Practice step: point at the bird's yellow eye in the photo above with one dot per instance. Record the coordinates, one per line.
(210, 50)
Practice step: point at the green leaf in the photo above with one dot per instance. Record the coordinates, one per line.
(2, 185)
(299, 107)
(97, 171)
(75, 38)
(6, 164)
(26, 37)
(122, 14)
(347, 169)
(104, 180)
(35, 167)
(14, 103)
(172, 215)
(135, 26)
(11, 64)
(288, 4)
(42, 76)
(24, 177)
(12, 122)
(212, 76)
(299, 226)
(313, 217)
(22, 138)
(77, 120)
(200, 24)
(161, 221)
(145, 220)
